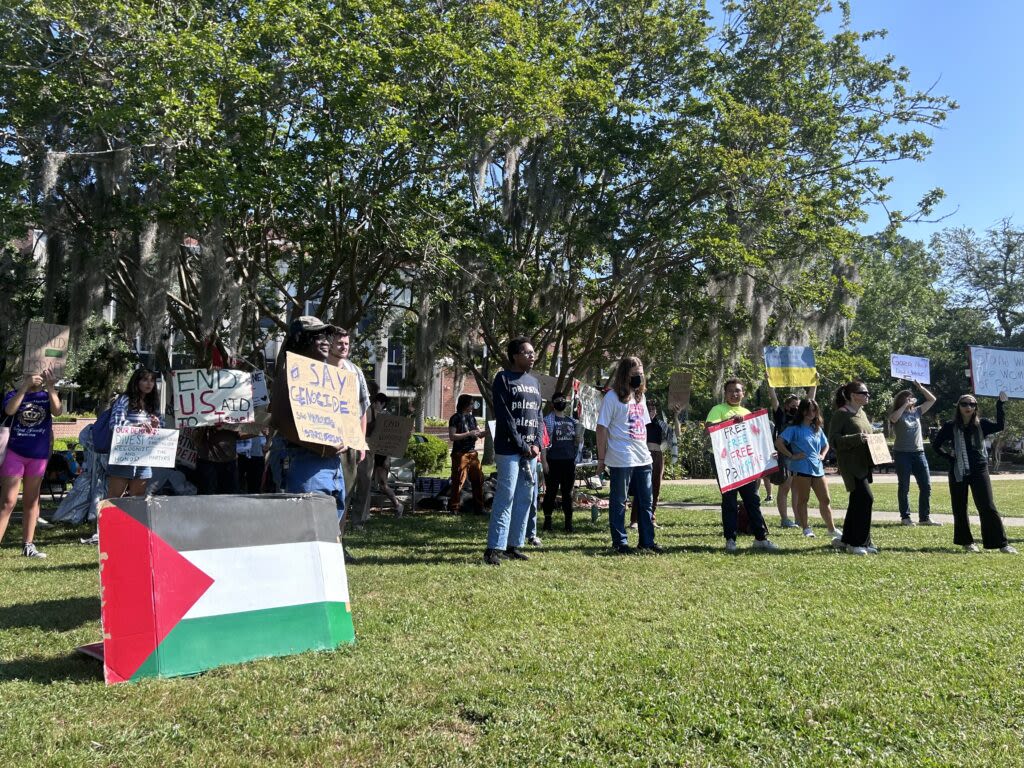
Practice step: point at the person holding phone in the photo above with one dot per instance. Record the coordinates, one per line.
(464, 433)
(908, 453)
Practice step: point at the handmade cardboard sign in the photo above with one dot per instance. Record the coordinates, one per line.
(260, 395)
(46, 348)
(187, 453)
(997, 370)
(590, 406)
(390, 435)
(217, 396)
(910, 368)
(679, 390)
(744, 451)
(879, 450)
(135, 446)
(790, 366)
(325, 402)
(188, 585)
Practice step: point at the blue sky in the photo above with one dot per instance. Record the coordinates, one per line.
(971, 49)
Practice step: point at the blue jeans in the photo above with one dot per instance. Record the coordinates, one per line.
(306, 472)
(511, 505)
(913, 463)
(621, 479)
(531, 519)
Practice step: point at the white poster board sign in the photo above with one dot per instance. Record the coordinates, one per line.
(997, 370)
(910, 368)
(590, 406)
(133, 445)
(260, 395)
(743, 451)
(217, 396)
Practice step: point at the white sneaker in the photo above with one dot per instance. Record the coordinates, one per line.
(907, 521)
(787, 523)
(43, 522)
(399, 509)
(929, 521)
(871, 549)
(94, 539)
(808, 533)
(534, 541)
(766, 544)
(838, 543)
(1008, 550)
(835, 532)
(29, 550)
(730, 545)
(972, 547)
(856, 550)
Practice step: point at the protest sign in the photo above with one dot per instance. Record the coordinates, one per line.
(325, 402)
(260, 395)
(743, 451)
(997, 370)
(590, 405)
(218, 396)
(790, 366)
(390, 435)
(46, 348)
(547, 385)
(134, 445)
(679, 390)
(879, 450)
(910, 368)
(492, 426)
(187, 453)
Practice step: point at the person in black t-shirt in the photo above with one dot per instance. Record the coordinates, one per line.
(463, 433)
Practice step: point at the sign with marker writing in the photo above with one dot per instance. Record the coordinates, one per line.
(390, 435)
(879, 450)
(325, 402)
(743, 451)
(46, 348)
(187, 453)
(260, 395)
(133, 445)
(217, 396)
(997, 370)
(910, 368)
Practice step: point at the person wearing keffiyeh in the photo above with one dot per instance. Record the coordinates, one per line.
(969, 469)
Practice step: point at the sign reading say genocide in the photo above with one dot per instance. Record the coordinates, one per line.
(46, 348)
(744, 451)
(218, 396)
(325, 402)
(997, 370)
(136, 446)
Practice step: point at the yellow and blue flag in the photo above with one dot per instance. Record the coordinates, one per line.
(790, 366)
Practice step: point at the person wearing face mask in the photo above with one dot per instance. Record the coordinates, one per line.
(908, 453)
(969, 469)
(622, 447)
(559, 460)
(784, 415)
(732, 409)
(657, 444)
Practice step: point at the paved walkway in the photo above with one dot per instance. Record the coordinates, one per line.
(879, 477)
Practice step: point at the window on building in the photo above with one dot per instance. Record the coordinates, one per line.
(396, 364)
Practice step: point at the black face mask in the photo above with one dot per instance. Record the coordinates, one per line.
(636, 381)
(559, 405)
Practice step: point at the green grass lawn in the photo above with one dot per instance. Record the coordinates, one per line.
(1009, 496)
(807, 657)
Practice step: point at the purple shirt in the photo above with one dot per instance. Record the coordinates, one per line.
(32, 427)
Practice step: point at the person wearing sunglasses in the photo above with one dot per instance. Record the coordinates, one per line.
(848, 432)
(969, 469)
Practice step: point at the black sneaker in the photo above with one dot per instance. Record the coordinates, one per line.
(654, 549)
(512, 553)
(624, 549)
(491, 557)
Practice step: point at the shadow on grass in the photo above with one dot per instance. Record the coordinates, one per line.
(71, 667)
(51, 615)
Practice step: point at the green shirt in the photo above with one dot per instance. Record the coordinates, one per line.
(724, 411)
(852, 455)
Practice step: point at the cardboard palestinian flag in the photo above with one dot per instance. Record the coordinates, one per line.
(195, 582)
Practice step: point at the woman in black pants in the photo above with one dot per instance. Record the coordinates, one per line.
(848, 433)
(969, 469)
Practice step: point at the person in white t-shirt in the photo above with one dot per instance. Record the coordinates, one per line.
(622, 448)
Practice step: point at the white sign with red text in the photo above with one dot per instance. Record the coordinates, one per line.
(744, 451)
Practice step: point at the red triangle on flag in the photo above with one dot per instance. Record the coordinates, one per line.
(147, 588)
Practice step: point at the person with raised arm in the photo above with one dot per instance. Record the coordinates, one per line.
(969, 469)
(908, 453)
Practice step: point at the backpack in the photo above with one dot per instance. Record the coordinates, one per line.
(102, 433)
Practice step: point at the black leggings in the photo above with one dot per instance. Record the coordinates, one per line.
(993, 535)
(857, 525)
(560, 478)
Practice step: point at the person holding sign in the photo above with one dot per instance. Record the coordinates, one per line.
(30, 409)
(463, 432)
(908, 453)
(969, 469)
(138, 405)
(732, 410)
(559, 458)
(517, 403)
(848, 433)
(380, 461)
(805, 445)
(622, 447)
